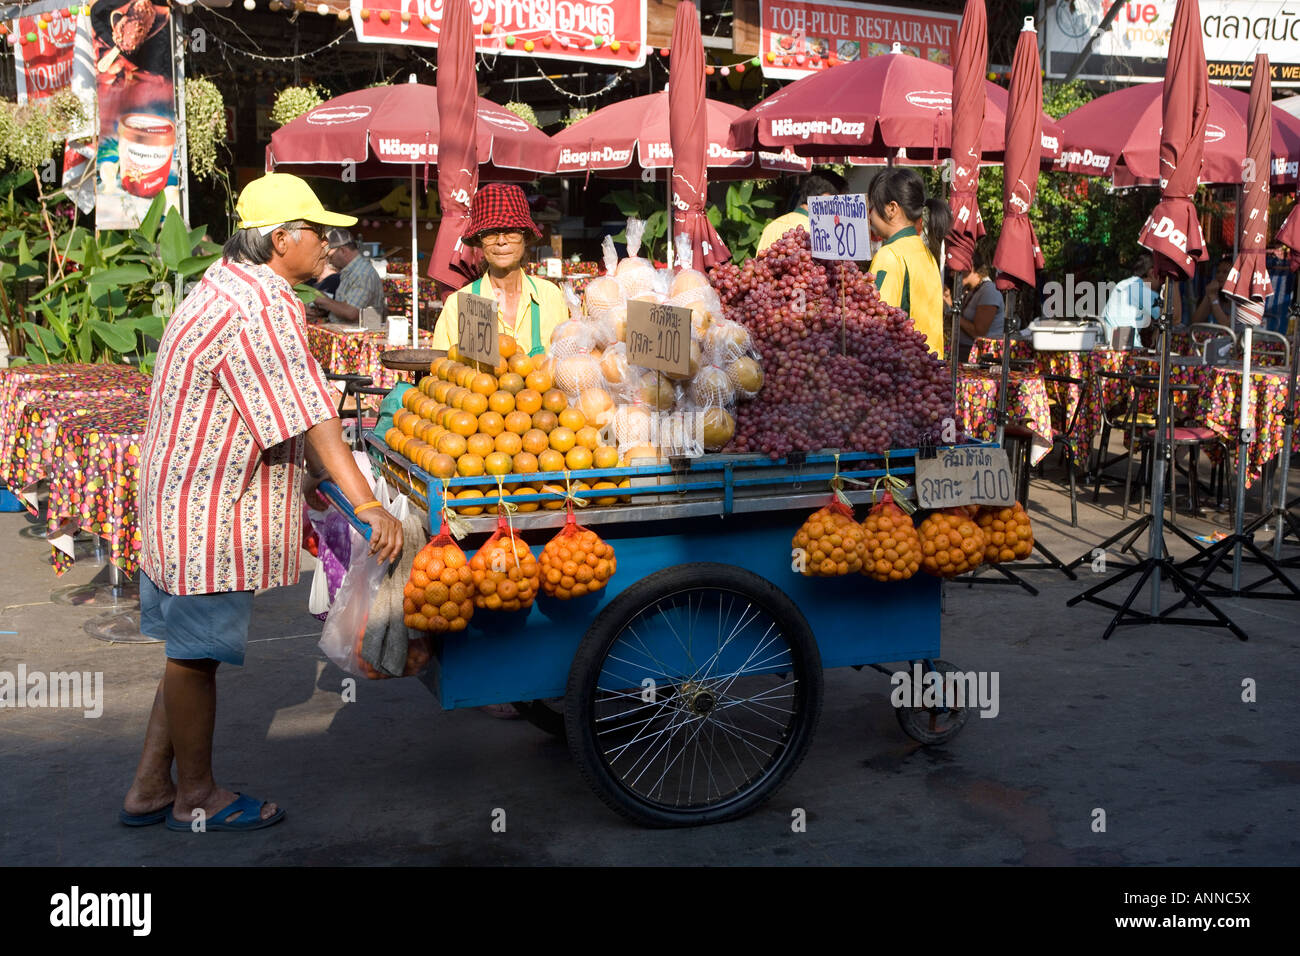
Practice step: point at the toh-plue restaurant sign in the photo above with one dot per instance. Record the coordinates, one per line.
(44, 64)
(799, 37)
(605, 31)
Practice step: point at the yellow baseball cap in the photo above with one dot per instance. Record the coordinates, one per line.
(280, 197)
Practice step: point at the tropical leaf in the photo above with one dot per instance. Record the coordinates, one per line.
(174, 241)
(196, 264)
(120, 337)
(149, 224)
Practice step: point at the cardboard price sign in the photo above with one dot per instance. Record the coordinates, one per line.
(964, 476)
(838, 226)
(659, 337)
(476, 328)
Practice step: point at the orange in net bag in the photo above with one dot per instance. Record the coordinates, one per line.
(831, 542)
(1008, 534)
(576, 561)
(506, 574)
(891, 547)
(439, 596)
(951, 543)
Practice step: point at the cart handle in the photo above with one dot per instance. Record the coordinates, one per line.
(335, 497)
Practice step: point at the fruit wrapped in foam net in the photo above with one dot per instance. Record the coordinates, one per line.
(635, 275)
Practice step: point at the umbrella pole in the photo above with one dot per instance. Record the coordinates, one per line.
(1244, 437)
(1288, 435)
(1159, 447)
(415, 286)
(954, 358)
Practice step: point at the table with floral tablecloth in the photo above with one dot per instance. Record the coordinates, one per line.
(352, 352)
(397, 294)
(97, 483)
(34, 408)
(977, 407)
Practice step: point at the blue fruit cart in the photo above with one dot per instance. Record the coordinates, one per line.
(690, 686)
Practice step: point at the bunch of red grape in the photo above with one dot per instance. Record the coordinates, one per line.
(842, 369)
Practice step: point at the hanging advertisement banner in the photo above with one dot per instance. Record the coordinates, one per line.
(1134, 46)
(610, 32)
(137, 157)
(43, 64)
(799, 37)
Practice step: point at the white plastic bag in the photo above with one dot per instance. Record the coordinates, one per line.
(346, 624)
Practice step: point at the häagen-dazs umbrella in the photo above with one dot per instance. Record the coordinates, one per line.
(1249, 279)
(688, 135)
(1018, 257)
(970, 64)
(453, 263)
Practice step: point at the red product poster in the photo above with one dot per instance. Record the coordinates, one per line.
(44, 65)
(799, 37)
(606, 31)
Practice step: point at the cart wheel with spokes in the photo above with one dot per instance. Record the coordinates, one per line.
(932, 726)
(693, 696)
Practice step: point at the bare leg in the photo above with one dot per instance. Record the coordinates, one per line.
(190, 697)
(152, 788)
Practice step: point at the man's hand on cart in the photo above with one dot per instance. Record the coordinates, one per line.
(328, 454)
(385, 533)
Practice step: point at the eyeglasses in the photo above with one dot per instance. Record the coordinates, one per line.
(497, 235)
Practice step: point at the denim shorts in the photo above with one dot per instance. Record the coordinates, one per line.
(197, 626)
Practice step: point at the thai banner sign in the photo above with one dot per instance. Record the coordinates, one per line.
(1134, 46)
(43, 63)
(610, 32)
(799, 37)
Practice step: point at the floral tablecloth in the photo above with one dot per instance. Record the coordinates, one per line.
(96, 485)
(33, 409)
(397, 294)
(977, 407)
(357, 353)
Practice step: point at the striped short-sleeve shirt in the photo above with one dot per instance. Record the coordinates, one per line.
(234, 391)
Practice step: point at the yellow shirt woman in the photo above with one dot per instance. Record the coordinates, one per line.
(541, 308)
(907, 278)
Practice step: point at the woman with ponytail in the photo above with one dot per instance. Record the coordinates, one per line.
(906, 266)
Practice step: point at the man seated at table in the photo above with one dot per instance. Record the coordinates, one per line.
(1135, 301)
(359, 284)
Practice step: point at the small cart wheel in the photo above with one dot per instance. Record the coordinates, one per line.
(693, 696)
(932, 726)
(546, 715)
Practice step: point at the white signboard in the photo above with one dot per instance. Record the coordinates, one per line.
(838, 227)
(1134, 47)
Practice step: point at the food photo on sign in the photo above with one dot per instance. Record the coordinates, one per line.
(137, 110)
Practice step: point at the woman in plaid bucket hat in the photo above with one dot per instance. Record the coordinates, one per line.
(528, 307)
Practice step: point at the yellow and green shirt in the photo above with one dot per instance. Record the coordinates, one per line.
(541, 308)
(908, 278)
(779, 226)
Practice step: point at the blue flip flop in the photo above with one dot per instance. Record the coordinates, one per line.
(250, 819)
(144, 819)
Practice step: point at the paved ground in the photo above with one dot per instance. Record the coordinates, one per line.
(1149, 727)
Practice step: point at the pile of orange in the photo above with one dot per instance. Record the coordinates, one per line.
(951, 543)
(575, 562)
(506, 574)
(439, 596)
(465, 421)
(831, 543)
(1008, 535)
(891, 548)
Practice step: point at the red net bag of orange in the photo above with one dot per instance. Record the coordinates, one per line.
(1008, 535)
(506, 575)
(829, 543)
(891, 547)
(576, 561)
(439, 596)
(951, 543)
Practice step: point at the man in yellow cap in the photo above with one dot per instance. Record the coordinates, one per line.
(236, 404)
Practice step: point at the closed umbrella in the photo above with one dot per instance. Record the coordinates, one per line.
(453, 263)
(1018, 257)
(970, 64)
(688, 136)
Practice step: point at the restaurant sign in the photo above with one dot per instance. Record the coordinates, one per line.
(610, 32)
(43, 63)
(799, 37)
(1135, 45)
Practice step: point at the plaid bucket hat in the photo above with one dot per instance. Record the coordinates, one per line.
(499, 206)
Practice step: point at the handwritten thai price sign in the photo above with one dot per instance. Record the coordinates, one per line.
(964, 476)
(659, 337)
(476, 328)
(838, 226)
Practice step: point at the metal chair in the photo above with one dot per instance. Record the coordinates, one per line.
(1203, 332)
(1114, 416)
(1264, 342)
(1063, 438)
(1186, 434)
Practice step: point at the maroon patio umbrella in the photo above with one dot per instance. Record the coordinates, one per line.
(873, 108)
(1249, 279)
(1289, 236)
(1018, 257)
(630, 137)
(970, 64)
(1173, 232)
(453, 263)
(688, 135)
